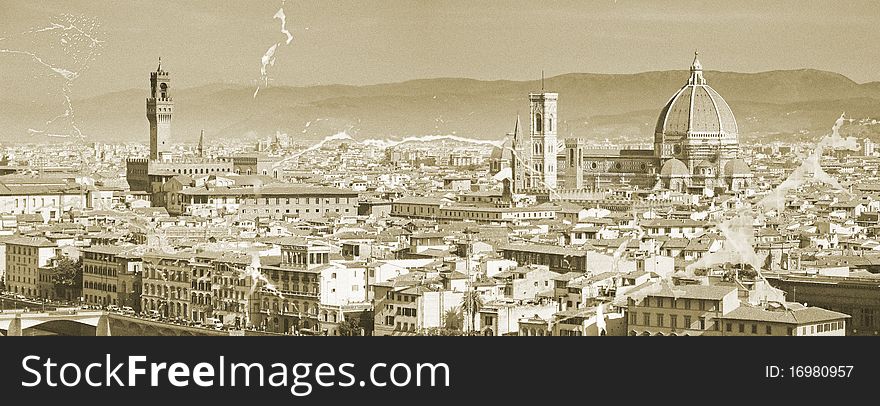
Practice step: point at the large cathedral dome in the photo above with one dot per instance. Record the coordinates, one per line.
(697, 111)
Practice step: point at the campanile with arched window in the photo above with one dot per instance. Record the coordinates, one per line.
(160, 107)
(543, 138)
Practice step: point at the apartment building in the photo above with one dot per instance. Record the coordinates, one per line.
(25, 258)
(275, 201)
(112, 276)
(166, 283)
(687, 310)
(293, 306)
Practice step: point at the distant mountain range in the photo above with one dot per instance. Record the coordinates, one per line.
(767, 105)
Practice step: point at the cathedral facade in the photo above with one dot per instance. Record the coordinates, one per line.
(695, 149)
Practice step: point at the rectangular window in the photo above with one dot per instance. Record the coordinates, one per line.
(729, 327)
(646, 317)
(673, 321)
(742, 327)
(660, 320)
(754, 329)
(768, 330)
(868, 317)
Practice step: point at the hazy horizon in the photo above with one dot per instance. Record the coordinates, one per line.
(371, 42)
(307, 85)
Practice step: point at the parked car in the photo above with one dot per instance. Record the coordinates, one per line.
(154, 314)
(214, 322)
(113, 308)
(127, 310)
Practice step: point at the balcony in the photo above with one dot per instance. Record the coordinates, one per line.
(300, 293)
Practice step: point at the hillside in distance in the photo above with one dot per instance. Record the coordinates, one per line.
(767, 105)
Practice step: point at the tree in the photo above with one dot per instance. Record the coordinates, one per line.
(453, 319)
(67, 275)
(472, 303)
(350, 326)
(367, 319)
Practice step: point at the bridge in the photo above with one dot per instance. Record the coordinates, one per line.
(72, 322)
(76, 322)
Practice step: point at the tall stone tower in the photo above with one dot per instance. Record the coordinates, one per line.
(519, 157)
(202, 144)
(574, 172)
(160, 107)
(542, 173)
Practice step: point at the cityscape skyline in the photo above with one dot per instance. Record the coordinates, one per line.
(267, 239)
(379, 168)
(611, 208)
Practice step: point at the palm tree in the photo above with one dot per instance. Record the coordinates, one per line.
(472, 303)
(453, 319)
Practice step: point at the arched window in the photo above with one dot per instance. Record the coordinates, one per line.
(539, 123)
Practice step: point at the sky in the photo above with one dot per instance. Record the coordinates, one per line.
(363, 42)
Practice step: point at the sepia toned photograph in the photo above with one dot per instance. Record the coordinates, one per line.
(295, 168)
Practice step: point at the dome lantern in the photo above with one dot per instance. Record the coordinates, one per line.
(696, 72)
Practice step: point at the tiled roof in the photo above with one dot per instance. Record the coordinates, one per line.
(804, 315)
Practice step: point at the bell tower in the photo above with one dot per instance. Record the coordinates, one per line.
(160, 108)
(542, 173)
